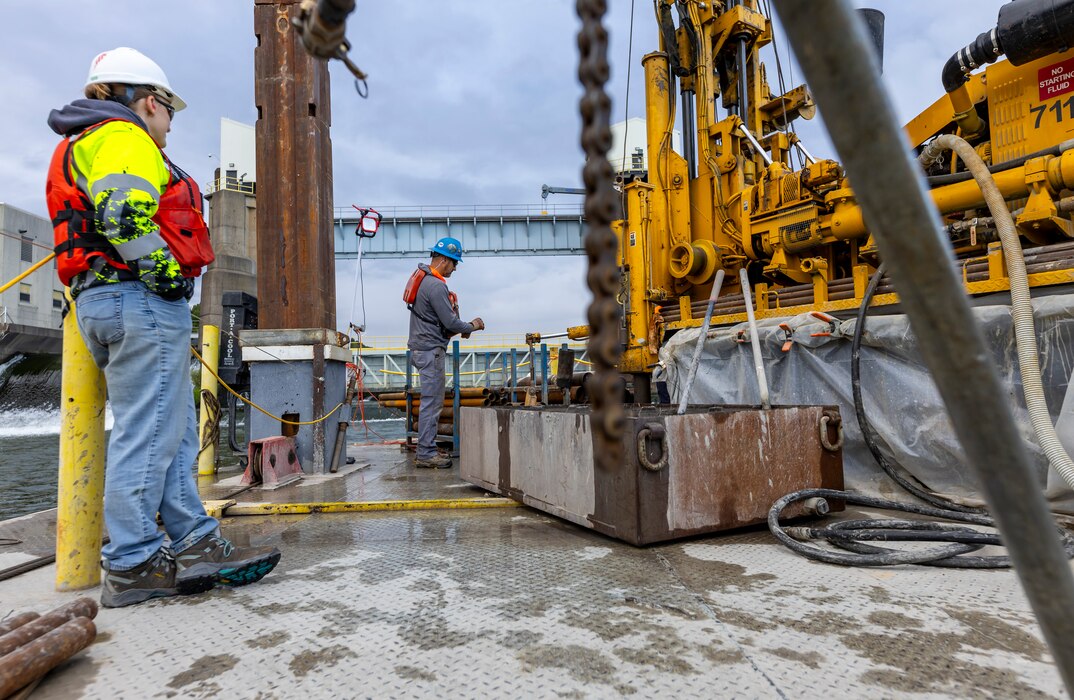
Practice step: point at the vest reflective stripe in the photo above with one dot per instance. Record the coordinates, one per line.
(124, 181)
(140, 247)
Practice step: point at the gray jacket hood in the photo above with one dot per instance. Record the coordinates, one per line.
(82, 114)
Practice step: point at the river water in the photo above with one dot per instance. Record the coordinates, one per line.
(29, 447)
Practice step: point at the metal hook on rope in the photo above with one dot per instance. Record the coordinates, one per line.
(360, 84)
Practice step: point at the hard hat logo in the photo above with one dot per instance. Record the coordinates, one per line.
(449, 248)
(129, 66)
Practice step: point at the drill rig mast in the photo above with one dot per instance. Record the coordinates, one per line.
(736, 200)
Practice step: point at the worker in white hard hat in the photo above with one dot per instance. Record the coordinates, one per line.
(130, 237)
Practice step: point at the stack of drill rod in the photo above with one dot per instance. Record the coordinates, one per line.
(470, 396)
(488, 396)
(31, 645)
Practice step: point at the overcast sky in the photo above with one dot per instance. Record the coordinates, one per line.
(471, 102)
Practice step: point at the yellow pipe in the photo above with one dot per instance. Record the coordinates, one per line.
(29, 271)
(210, 354)
(366, 506)
(848, 222)
(80, 500)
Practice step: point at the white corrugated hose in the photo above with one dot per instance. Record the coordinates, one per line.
(1021, 307)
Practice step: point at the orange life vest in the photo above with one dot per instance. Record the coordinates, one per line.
(410, 292)
(77, 240)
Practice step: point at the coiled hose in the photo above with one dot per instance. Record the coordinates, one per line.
(1021, 307)
(848, 535)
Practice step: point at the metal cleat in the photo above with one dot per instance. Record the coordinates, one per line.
(273, 462)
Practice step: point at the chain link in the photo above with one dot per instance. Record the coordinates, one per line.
(601, 244)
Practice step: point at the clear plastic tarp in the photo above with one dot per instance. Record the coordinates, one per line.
(899, 396)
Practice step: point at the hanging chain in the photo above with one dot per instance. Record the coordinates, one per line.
(601, 244)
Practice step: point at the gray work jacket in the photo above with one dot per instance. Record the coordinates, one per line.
(432, 320)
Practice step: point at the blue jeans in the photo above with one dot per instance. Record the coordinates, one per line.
(430, 366)
(142, 343)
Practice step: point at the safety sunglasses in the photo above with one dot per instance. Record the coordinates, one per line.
(167, 107)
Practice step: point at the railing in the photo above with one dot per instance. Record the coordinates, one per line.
(496, 362)
(28, 315)
(479, 343)
(232, 184)
(465, 211)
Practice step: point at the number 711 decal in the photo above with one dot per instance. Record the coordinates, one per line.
(1057, 106)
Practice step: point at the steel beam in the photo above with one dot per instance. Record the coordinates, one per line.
(482, 235)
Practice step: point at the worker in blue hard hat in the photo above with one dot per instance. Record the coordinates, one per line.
(434, 319)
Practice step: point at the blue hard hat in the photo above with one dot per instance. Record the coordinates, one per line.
(448, 247)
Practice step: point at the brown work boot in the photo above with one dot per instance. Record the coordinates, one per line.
(213, 560)
(437, 462)
(154, 578)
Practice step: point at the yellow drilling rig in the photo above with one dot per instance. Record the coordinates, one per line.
(747, 193)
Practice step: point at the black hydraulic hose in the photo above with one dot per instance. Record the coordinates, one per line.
(743, 82)
(1025, 31)
(982, 50)
(872, 438)
(953, 178)
(849, 535)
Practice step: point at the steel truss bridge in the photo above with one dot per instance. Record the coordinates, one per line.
(485, 231)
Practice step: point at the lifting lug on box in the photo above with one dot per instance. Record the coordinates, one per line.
(835, 422)
(655, 432)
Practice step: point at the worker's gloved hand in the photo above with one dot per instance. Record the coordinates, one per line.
(478, 324)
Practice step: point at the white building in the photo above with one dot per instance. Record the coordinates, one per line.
(35, 302)
(631, 134)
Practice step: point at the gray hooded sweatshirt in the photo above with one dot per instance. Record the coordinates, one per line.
(432, 320)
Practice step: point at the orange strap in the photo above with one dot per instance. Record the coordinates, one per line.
(452, 296)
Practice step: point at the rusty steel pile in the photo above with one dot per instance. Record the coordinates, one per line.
(31, 645)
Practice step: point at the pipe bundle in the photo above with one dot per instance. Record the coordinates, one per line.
(31, 645)
(489, 396)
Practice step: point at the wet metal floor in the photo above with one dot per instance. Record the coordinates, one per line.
(514, 603)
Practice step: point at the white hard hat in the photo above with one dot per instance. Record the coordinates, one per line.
(131, 67)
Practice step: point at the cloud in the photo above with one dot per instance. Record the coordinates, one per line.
(471, 102)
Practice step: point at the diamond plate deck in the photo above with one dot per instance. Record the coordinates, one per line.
(516, 603)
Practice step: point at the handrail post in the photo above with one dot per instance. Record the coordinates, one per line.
(456, 396)
(80, 497)
(210, 352)
(544, 374)
(514, 375)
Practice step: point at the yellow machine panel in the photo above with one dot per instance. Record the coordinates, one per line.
(1030, 107)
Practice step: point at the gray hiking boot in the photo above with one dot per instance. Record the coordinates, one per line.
(437, 462)
(213, 560)
(153, 578)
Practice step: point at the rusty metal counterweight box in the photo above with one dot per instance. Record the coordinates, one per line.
(713, 468)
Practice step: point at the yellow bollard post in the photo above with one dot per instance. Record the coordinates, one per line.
(80, 500)
(210, 353)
